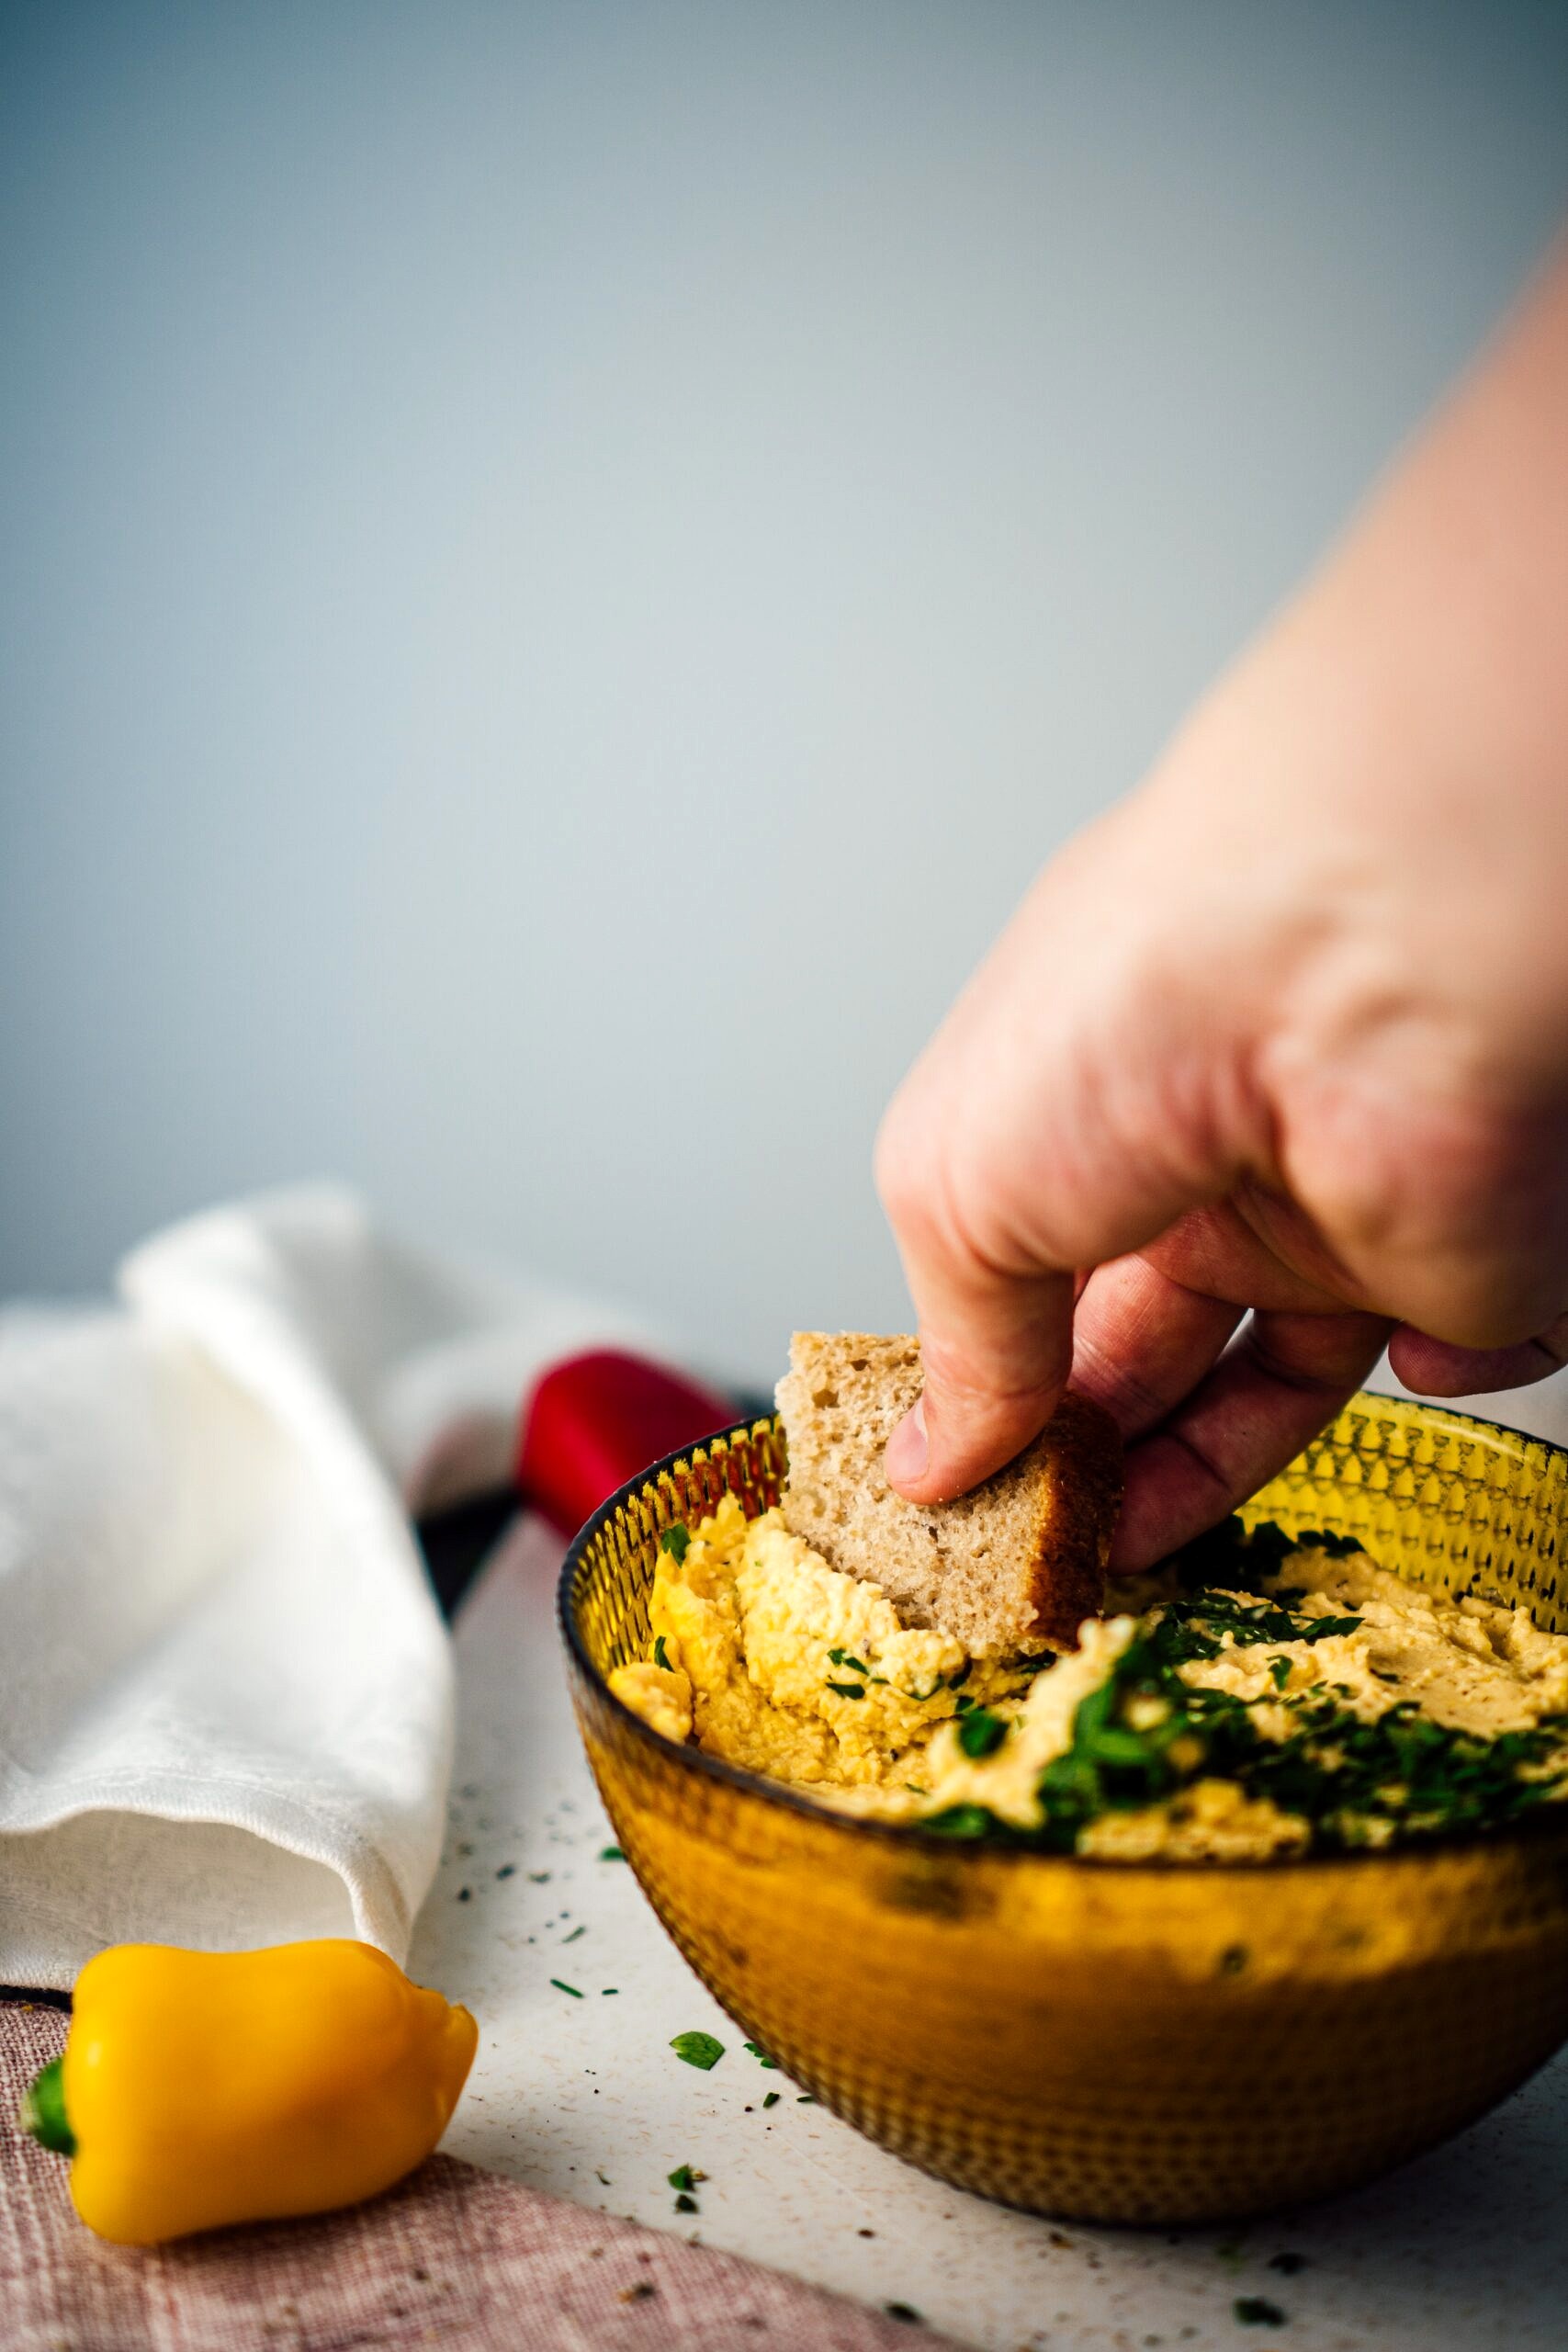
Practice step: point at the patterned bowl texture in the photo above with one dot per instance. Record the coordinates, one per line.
(1111, 2041)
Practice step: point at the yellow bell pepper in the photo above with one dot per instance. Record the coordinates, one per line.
(199, 2088)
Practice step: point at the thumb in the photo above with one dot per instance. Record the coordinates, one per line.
(1007, 1161)
(996, 1331)
(996, 1357)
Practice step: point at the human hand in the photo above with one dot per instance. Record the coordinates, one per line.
(1287, 1031)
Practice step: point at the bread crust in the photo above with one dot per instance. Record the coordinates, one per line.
(1067, 1578)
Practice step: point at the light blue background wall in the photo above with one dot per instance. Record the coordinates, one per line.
(561, 565)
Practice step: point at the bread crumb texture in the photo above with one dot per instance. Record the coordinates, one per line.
(1011, 1568)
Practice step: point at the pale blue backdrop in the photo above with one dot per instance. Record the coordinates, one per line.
(562, 564)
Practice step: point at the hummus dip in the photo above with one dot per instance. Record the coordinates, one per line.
(1265, 1696)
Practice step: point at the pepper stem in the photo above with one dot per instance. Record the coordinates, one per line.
(43, 2110)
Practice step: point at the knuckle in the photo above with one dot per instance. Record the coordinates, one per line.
(979, 1380)
(1117, 1383)
(922, 1191)
(1553, 1340)
(901, 1161)
(1318, 1354)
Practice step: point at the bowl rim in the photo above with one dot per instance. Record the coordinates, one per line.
(902, 1836)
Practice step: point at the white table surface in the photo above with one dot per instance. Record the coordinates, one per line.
(1466, 2251)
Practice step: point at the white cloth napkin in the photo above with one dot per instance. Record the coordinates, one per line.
(225, 1690)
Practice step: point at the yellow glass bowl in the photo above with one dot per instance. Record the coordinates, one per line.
(1113, 2041)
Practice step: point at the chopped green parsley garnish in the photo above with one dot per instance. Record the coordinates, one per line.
(1210, 1622)
(980, 1733)
(566, 1989)
(760, 2055)
(844, 1657)
(698, 2049)
(684, 2204)
(674, 1541)
(847, 1690)
(661, 1655)
(1232, 1554)
(773, 2098)
(1353, 1783)
(611, 1854)
(684, 2178)
(962, 1821)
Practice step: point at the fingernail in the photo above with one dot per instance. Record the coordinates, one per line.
(908, 1450)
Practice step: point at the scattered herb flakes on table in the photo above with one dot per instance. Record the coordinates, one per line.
(1257, 2311)
(704, 2050)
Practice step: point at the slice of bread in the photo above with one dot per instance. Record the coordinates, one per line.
(1017, 1565)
